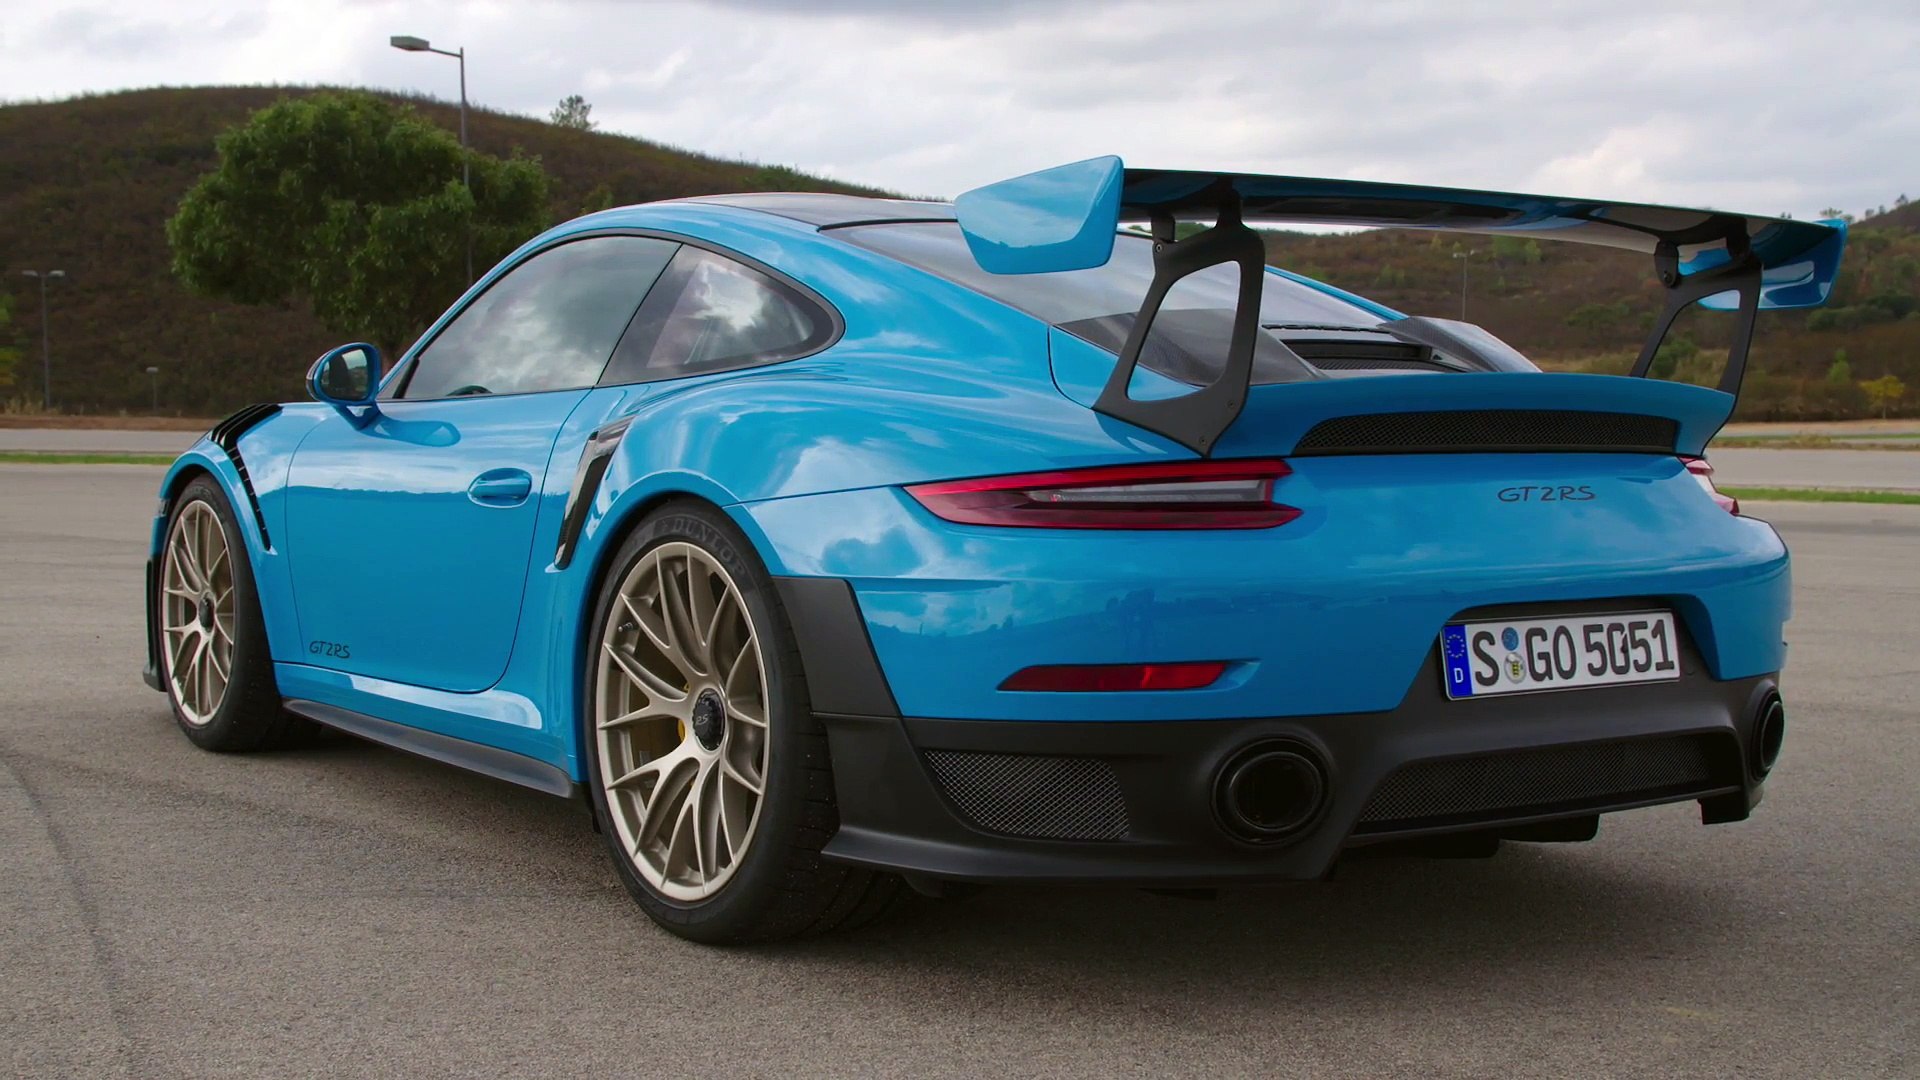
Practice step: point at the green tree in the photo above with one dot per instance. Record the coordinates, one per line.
(600, 198)
(355, 205)
(573, 112)
(9, 355)
(1677, 350)
(1884, 392)
(1517, 249)
(1840, 373)
(1598, 321)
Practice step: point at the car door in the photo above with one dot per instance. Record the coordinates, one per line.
(409, 537)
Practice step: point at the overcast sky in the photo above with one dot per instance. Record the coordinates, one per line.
(1758, 106)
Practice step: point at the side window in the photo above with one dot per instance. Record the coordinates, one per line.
(550, 324)
(711, 313)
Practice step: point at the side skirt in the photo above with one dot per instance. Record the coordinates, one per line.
(486, 760)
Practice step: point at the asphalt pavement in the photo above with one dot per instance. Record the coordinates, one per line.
(95, 441)
(1885, 470)
(354, 911)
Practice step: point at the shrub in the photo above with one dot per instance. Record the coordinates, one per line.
(1884, 392)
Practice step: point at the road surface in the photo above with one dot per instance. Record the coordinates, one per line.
(353, 911)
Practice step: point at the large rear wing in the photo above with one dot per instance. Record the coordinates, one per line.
(1065, 218)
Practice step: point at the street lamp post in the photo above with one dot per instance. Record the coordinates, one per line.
(407, 43)
(1463, 256)
(46, 347)
(153, 383)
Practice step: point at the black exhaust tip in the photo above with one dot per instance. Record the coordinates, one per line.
(1769, 732)
(1271, 791)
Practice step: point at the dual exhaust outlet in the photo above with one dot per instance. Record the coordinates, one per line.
(1276, 789)
(1271, 791)
(1769, 732)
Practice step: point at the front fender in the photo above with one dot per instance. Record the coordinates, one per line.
(265, 450)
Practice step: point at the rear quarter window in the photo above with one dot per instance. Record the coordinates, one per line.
(708, 313)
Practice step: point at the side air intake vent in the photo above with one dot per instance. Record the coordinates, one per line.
(1034, 795)
(1491, 431)
(227, 434)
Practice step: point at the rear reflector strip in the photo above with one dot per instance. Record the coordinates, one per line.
(1110, 678)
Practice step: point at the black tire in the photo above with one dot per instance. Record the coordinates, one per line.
(249, 716)
(782, 887)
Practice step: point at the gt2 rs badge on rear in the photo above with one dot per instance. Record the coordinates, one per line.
(1547, 493)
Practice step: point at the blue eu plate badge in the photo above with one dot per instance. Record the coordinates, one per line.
(1453, 653)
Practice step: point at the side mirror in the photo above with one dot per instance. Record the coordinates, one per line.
(347, 378)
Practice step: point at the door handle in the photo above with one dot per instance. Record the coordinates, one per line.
(501, 487)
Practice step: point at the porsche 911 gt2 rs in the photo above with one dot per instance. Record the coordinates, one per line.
(829, 547)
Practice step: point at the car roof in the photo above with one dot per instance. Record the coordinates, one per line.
(828, 211)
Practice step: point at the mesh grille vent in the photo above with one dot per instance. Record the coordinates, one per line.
(1510, 784)
(1038, 796)
(1491, 430)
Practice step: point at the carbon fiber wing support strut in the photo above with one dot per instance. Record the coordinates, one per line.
(1740, 274)
(1195, 420)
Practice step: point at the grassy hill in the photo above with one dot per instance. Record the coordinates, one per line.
(1587, 308)
(86, 185)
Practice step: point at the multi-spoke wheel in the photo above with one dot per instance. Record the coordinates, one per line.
(213, 658)
(196, 612)
(681, 720)
(708, 771)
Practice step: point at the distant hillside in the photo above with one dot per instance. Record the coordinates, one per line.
(86, 185)
(1587, 308)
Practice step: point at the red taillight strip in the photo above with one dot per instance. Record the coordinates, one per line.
(1012, 501)
(1109, 678)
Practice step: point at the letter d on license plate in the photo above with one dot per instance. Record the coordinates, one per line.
(1524, 656)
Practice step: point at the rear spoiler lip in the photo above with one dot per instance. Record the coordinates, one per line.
(1281, 415)
(1065, 218)
(1278, 415)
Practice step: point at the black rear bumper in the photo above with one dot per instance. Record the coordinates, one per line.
(1138, 802)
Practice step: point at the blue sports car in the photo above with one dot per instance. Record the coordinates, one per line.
(833, 548)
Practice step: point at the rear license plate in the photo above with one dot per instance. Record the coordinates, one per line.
(1526, 656)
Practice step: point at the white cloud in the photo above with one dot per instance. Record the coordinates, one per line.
(1762, 105)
